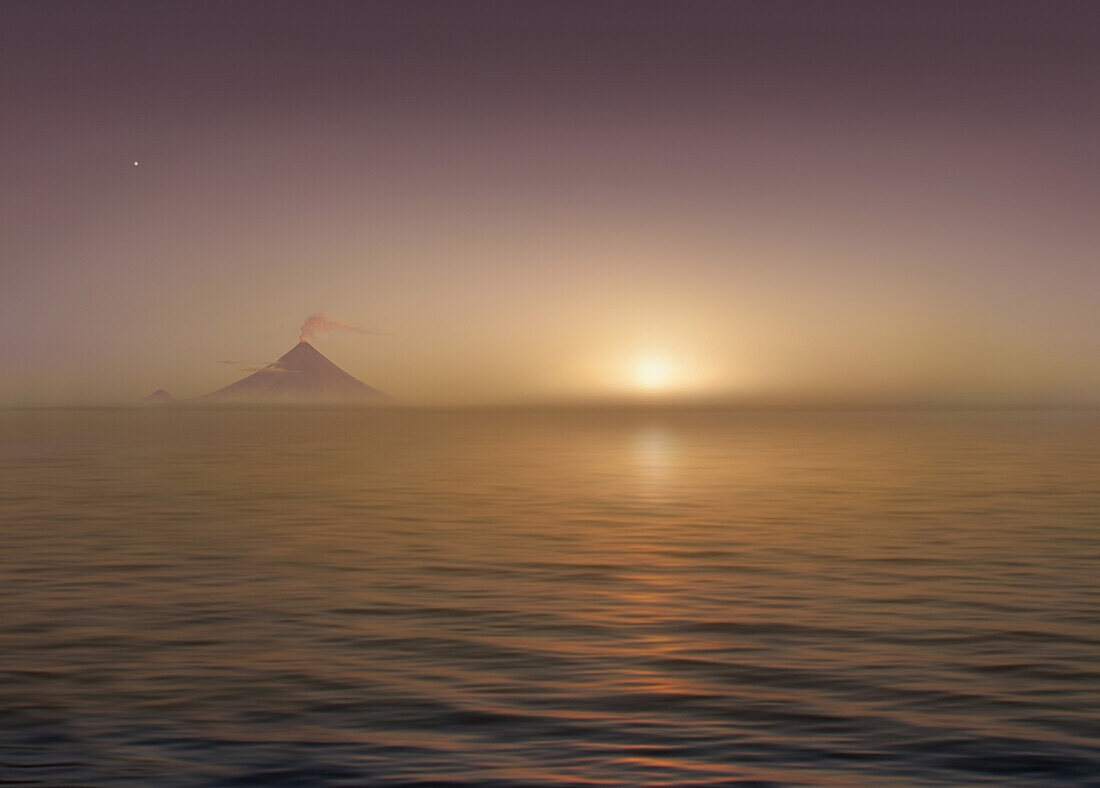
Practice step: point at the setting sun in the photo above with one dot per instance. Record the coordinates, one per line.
(653, 373)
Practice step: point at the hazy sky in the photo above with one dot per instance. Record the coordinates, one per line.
(541, 200)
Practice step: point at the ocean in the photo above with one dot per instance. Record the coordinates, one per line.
(301, 597)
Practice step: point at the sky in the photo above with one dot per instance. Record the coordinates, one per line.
(881, 201)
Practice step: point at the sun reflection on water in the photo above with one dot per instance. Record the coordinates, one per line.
(653, 450)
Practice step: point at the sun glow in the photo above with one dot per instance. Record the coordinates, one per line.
(653, 373)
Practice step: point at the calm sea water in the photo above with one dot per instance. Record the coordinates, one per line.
(293, 597)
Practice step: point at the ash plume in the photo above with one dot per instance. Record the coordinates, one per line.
(321, 323)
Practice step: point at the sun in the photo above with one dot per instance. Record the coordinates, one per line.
(652, 373)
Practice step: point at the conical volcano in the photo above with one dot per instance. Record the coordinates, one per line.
(160, 395)
(300, 375)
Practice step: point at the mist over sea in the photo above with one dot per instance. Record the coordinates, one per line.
(299, 597)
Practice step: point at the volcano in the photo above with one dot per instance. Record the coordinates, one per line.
(160, 395)
(302, 374)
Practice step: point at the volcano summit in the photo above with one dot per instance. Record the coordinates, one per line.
(301, 375)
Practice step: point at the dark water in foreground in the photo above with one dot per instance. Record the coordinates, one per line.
(289, 597)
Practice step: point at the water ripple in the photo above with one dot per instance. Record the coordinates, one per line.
(343, 598)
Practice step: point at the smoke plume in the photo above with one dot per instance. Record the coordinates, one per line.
(321, 323)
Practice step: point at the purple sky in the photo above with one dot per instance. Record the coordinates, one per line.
(539, 200)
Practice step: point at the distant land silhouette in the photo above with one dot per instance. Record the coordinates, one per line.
(160, 395)
(300, 375)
